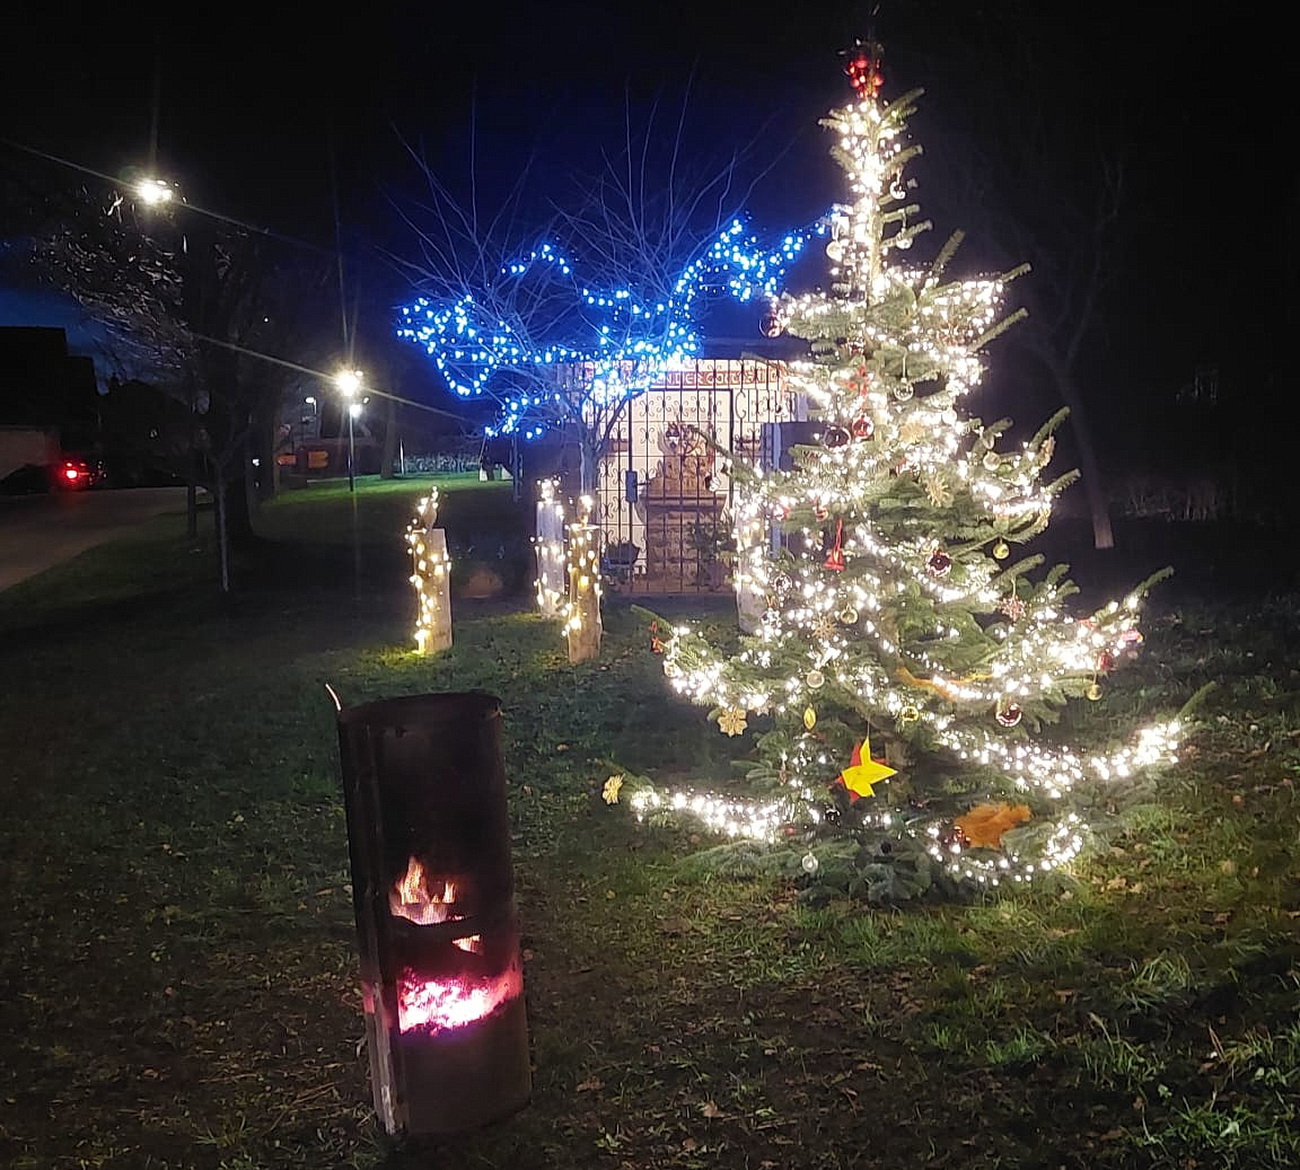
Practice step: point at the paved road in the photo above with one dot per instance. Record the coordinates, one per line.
(37, 532)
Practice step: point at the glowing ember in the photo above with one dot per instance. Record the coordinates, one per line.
(410, 897)
(435, 1005)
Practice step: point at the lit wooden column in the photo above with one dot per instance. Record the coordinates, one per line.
(582, 614)
(431, 577)
(548, 544)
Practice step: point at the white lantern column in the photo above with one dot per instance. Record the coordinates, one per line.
(549, 547)
(431, 576)
(582, 624)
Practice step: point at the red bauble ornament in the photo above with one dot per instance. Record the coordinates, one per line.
(863, 427)
(821, 512)
(939, 563)
(1105, 662)
(1009, 715)
(863, 69)
(953, 839)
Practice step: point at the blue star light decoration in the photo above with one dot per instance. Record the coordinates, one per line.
(627, 340)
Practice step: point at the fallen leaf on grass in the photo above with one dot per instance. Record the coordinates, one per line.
(709, 1109)
(590, 1086)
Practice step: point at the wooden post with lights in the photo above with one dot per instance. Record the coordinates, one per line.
(549, 546)
(442, 985)
(582, 623)
(431, 577)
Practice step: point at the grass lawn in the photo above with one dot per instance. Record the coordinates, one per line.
(178, 958)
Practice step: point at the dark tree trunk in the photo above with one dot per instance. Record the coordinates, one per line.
(241, 500)
(223, 533)
(265, 446)
(1103, 535)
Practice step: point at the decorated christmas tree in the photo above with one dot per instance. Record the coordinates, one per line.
(905, 658)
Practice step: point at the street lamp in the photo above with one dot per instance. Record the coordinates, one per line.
(154, 192)
(349, 384)
(354, 413)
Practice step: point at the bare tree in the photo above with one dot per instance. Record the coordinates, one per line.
(1073, 246)
(563, 314)
(193, 310)
(1033, 165)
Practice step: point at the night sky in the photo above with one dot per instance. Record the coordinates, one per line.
(253, 105)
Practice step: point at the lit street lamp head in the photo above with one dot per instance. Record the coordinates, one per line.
(354, 409)
(349, 382)
(155, 192)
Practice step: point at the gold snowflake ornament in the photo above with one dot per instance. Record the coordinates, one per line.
(939, 493)
(732, 721)
(609, 794)
(824, 628)
(912, 431)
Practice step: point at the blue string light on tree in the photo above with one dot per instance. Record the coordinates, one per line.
(539, 314)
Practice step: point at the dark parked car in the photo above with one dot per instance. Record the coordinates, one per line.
(70, 474)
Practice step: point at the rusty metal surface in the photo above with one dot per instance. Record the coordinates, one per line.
(424, 786)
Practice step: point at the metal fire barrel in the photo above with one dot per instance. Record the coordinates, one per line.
(433, 889)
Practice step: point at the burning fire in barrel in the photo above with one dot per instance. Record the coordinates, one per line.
(433, 888)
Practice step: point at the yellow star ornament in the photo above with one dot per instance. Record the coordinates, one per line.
(863, 773)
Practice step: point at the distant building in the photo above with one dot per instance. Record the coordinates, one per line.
(43, 385)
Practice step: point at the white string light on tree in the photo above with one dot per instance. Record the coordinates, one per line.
(890, 603)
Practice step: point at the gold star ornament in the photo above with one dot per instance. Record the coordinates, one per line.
(863, 773)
